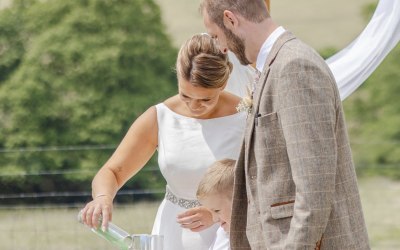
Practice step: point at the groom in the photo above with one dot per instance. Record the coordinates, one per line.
(295, 183)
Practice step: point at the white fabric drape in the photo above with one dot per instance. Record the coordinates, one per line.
(352, 65)
(241, 77)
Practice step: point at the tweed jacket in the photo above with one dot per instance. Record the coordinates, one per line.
(295, 183)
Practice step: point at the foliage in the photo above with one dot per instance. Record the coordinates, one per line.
(373, 117)
(327, 52)
(368, 10)
(77, 73)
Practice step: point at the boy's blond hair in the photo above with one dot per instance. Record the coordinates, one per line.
(218, 179)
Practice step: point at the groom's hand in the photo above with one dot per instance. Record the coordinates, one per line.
(196, 219)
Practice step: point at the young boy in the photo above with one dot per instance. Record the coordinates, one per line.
(216, 189)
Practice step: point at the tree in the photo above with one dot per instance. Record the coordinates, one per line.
(77, 73)
(373, 113)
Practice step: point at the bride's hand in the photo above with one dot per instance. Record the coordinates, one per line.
(196, 219)
(99, 207)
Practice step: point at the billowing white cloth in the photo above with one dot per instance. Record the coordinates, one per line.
(240, 78)
(352, 65)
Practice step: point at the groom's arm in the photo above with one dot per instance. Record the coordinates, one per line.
(307, 100)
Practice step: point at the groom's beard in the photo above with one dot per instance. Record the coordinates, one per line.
(236, 45)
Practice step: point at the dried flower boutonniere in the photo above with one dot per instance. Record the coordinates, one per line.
(246, 103)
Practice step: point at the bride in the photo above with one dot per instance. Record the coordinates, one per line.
(190, 131)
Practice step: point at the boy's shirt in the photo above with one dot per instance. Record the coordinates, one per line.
(221, 241)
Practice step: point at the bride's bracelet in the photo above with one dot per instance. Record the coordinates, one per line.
(100, 195)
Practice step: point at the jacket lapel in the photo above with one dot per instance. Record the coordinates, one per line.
(284, 38)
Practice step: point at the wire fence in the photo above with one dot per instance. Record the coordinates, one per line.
(48, 219)
(20, 197)
(55, 226)
(38, 220)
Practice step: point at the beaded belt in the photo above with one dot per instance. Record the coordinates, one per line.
(179, 201)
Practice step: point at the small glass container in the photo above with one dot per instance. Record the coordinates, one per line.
(113, 234)
(147, 242)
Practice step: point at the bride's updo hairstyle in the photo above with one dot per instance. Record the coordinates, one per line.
(201, 63)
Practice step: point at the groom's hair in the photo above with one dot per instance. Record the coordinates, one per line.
(217, 180)
(253, 10)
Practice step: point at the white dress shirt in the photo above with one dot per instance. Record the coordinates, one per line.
(267, 46)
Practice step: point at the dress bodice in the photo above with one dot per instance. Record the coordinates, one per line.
(188, 146)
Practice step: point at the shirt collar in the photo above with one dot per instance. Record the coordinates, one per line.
(267, 46)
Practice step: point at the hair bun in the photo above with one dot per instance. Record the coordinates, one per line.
(201, 62)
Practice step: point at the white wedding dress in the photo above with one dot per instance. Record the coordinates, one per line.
(186, 148)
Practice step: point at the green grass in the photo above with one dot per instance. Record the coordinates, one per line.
(381, 203)
(57, 228)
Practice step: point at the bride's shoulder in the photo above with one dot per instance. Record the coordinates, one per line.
(173, 103)
(231, 97)
(230, 100)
